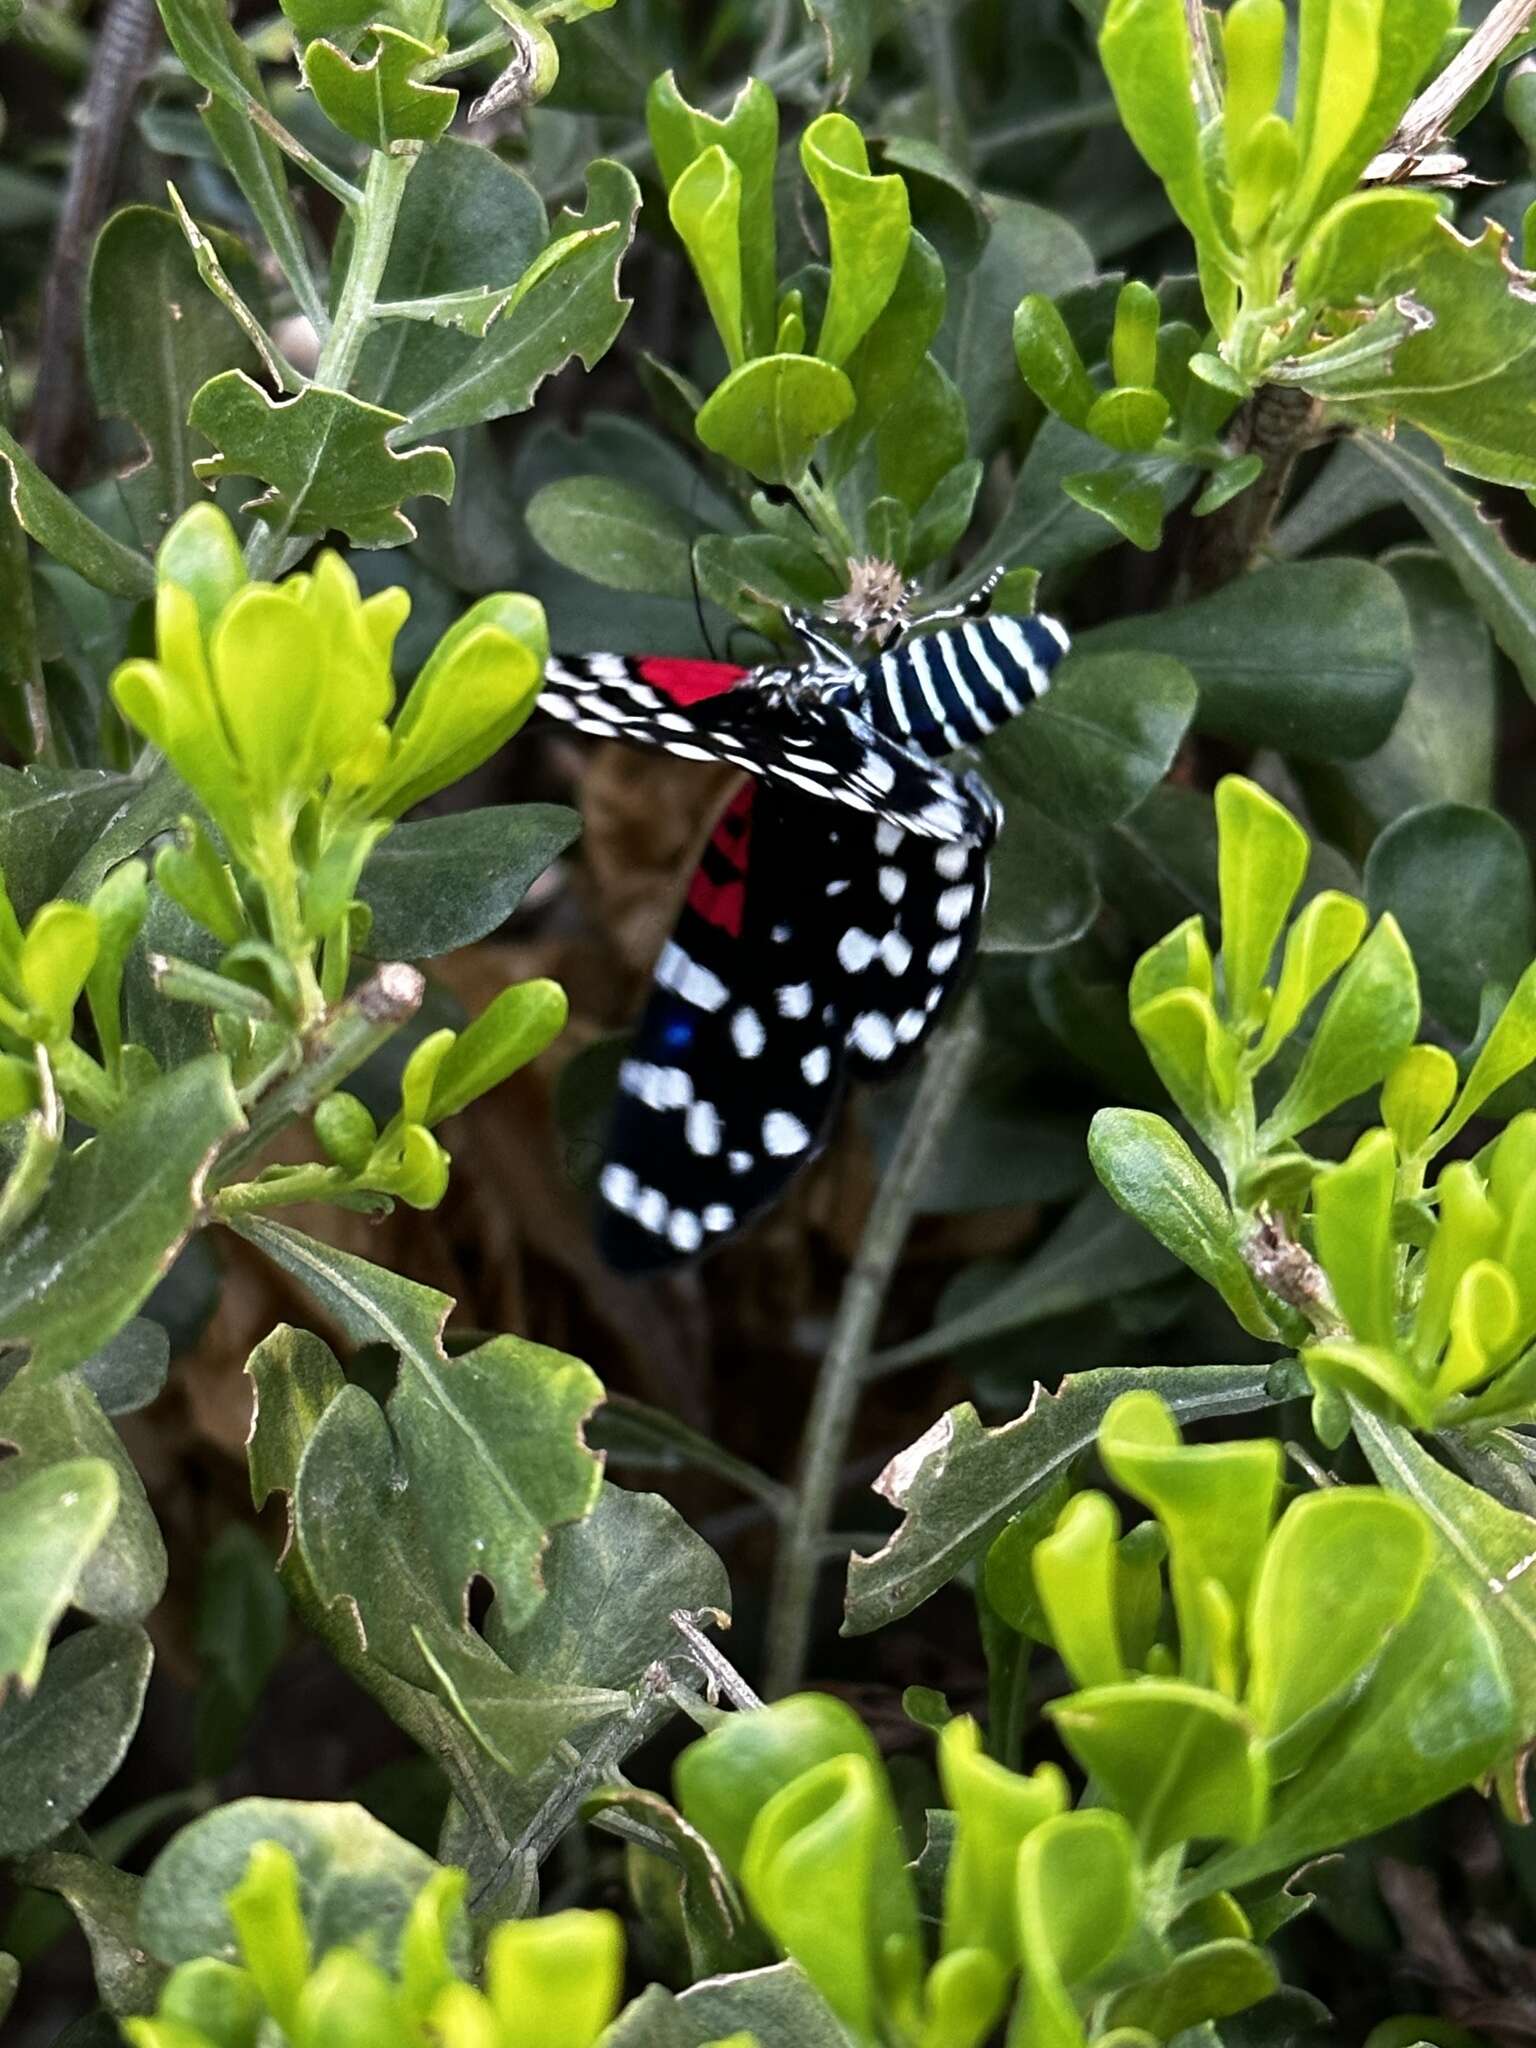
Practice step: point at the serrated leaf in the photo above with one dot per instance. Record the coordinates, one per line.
(325, 458)
(566, 304)
(958, 1484)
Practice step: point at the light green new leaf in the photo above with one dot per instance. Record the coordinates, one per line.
(1352, 1207)
(1181, 1763)
(869, 224)
(748, 134)
(1263, 855)
(769, 414)
(513, 1028)
(1370, 1021)
(325, 458)
(1155, 1177)
(705, 208)
(1078, 1887)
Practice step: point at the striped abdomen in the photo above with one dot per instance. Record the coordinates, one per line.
(949, 689)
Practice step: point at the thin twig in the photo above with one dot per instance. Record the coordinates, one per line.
(1207, 96)
(803, 1546)
(124, 47)
(1428, 114)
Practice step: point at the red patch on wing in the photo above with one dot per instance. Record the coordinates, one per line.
(724, 903)
(689, 682)
(718, 903)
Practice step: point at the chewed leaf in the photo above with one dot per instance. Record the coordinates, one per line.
(324, 457)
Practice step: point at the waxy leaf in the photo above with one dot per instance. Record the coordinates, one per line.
(50, 1526)
(435, 884)
(56, 523)
(769, 415)
(59, 1747)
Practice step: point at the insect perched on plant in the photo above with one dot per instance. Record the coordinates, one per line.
(836, 905)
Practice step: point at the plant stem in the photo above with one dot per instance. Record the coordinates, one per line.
(834, 1406)
(374, 222)
(181, 981)
(372, 1015)
(297, 1184)
(1422, 123)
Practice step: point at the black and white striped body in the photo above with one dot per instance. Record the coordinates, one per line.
(943, 691)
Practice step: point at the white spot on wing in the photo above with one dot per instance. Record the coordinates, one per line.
(855, 950)
(747, 1033)
(719, 1216)
(685, 1230)
(893, 882)
(873, 1035)
(954, 906)
(619, 1187)
(944, 955)
(795, 1000)
(817, 1065)
(686, 978)
(702, 1129)
(783, 1134)
(896, 952)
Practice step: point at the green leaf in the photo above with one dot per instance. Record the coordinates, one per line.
(1312, 657)
(57, 524)
(1508, 1050)
(619, 535)
(1044, 893)
(1104, 735)
(241, 1632)
(49, 819)
(1352, 1223)
(566, 304)
(1049, 362)
(129, 1370)
(1360, 62)
(1263, 855)
(869, 223)
(994, 1809)
(1457, 853)
(1364, 248)
(1315, 1624)
(1501, 583)
(1066, 1274)
(1180, 1763)
(1435, 1716)
(62, 1745)
(768, 415)
(50, 1526)
(378, 98)
(959, 1483)
(115, 1215)
(1211, 1982)
(153, 336)
(1153, 1175)
(435, 884)
(846, 28)
(48, 1423)
(488, 1443)
(748, 134)
(922, 438)
(1369, 1023)
(705, 208)
(1483, 1550)
(512, 1029)
(1131, 419)
(1130, 501)
(105, 1902)
(1047, 526)
(886, 360)
(1028, 251)
(1145, 50)
(469, 224)
(325, 458)
(241, 125)
(357, 1880)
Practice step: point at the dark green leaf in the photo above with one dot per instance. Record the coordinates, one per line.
(619, 535)
(568, 306)
(59, 525)
(1499, 582)
(105, 1901)
(1103, 736)
(154, 335)
(1043, 888)
(376, 96)
(50, 1526)
(960, 1483)
(489, 1443)
(1457, 854)
(61, 1746)
(114, 1216)
(53, 1422)
(1046, 527)
(48, 820)
(439, 883)
(129, 1370)
(1312, 657)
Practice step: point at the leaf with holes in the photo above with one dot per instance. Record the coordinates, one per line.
(325, 458)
